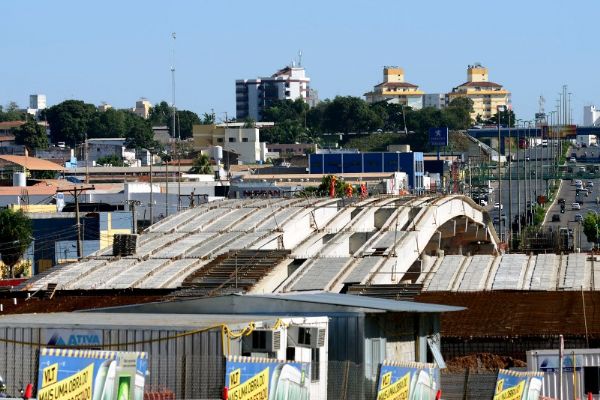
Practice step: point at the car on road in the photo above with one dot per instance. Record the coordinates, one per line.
(575, 206)
(498, 206)
(577, 182)
(572, 160)
(578, 218)
(483, 203)
(555, 217)
(590, 184)
(581, 169)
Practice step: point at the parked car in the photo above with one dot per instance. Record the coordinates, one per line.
(498, 206)
(555, 217)
(578, 218)
(575, 206)
(483, 202)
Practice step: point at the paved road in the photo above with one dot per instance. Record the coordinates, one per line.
(588, 204)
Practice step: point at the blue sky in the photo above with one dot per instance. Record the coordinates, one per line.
(119, 51)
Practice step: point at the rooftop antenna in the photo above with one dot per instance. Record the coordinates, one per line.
(300, 58)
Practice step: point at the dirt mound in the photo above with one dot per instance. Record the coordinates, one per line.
(481, 362)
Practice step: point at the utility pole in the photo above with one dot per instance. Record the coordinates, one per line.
(75, 192)
(87, 165)
(151, 189)
(132, 204)
(174, 110)
(510, 189)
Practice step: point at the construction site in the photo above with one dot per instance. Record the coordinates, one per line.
(431, 282)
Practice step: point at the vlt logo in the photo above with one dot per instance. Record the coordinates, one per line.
(74, 340)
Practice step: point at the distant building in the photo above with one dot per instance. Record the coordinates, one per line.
(37, 103)
(591, 116)
(374, 162)
(486, 95)
(297, 149)
(254, 95)
(106, 147)
(313, 97)
(434, 100)
(104, 107)
(142, 108)
(394, 89)
(235, 138)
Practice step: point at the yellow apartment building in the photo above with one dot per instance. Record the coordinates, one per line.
(394, 89)
(486, 95)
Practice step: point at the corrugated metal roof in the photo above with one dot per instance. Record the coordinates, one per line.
(129, 320)
(32, 163)
(348, 300)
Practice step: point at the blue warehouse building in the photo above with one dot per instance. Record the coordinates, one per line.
(343, 163)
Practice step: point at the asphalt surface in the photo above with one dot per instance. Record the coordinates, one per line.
(588, 204)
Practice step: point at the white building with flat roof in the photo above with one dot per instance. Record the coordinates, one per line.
(591, 116)
(37, 102)
(252, 96)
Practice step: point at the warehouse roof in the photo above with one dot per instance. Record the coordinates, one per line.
(31, 163)
(108, 320)
(360, 302)
(285, 303)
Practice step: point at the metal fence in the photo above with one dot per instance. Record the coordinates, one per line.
(468, 385)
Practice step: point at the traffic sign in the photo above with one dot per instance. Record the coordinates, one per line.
(438, 136)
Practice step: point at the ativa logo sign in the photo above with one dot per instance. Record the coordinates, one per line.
(75, 337)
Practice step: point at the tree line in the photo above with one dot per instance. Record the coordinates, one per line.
(296, 122)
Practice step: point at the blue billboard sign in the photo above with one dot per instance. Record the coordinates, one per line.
(249, 378)
(66, 374)
(399, 381)
(438, 136)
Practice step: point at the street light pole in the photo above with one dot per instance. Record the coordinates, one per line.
(510, 220)
(498, 108)
(518, 181)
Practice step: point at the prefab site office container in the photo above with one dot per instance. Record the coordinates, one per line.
(185, 351)
(581, 372)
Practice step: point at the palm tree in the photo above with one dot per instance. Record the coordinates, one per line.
(202, 165)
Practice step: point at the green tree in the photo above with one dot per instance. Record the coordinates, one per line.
(110, 123)
(32, 135)
(458, 113)
(15, 236)
(201, 165)
(12, 113)
(350, 114)
(160, 114)
(591, 227)
(113, 160)
(185, 121)
(141, 136)
(208, 119)
(69, 121)
(507, 118)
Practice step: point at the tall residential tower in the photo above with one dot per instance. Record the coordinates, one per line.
(394, 89)
(252, 96)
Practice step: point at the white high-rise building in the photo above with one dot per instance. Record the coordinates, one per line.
(254, 95)
(37, 103)
(591, 116)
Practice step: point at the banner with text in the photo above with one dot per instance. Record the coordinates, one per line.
(512, 385)
(66, 374)
(407, 381)
(261, 379)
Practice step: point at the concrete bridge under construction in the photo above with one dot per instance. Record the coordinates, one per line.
(297, 244)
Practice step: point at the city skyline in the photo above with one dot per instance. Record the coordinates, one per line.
(124, 53)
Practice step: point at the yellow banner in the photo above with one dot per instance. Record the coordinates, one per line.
(397, 390)
(75, 387)
(255, 388)
(512, 393)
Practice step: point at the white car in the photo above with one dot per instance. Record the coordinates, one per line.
(572, 160)
(483, 203)
(498, 206)
(575, 206)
